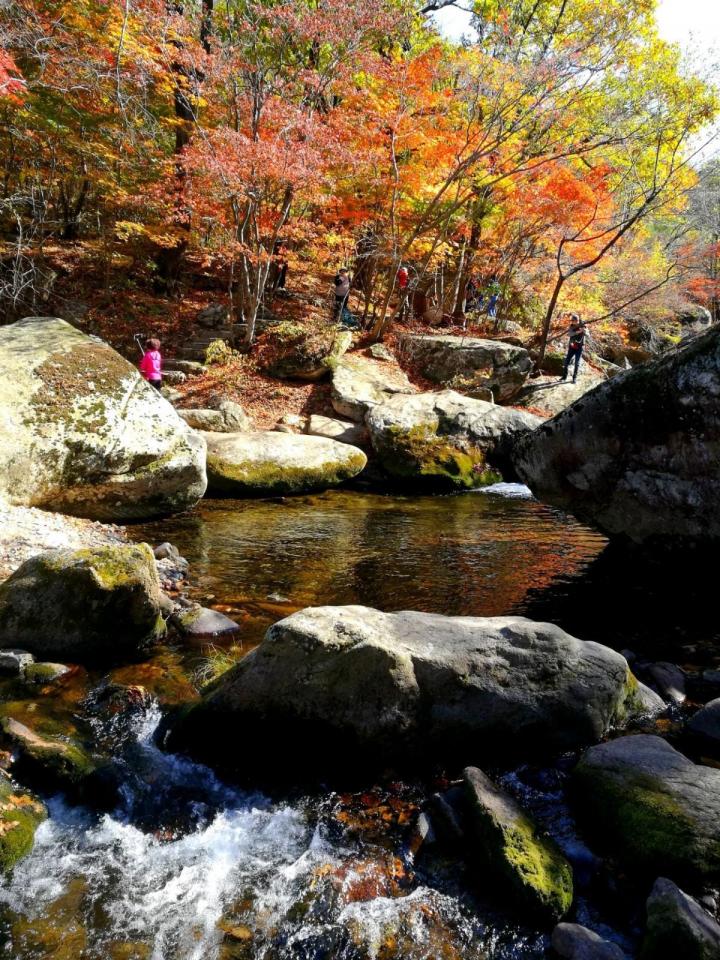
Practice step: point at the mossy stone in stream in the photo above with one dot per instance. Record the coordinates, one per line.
(99, 604)
(20, 816)
(39, 674)
(47, 761)
(513, 851)
(651, 806)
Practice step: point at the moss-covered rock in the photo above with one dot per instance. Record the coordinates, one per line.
(651, 806)
(20, 816)
(50, 763)
(99, 604)
(270, 463)
(511, 849)
(309, 356)
(84, 434)
(444, 440)
(41, 674)
(678, 927)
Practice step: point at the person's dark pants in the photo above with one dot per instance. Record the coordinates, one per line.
(572, 355)
(156, 383)
(339, 306)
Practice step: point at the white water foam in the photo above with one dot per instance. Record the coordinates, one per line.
(516, 491)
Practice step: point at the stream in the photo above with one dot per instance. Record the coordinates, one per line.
(189, 868)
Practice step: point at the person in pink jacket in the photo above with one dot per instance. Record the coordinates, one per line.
(151, 364)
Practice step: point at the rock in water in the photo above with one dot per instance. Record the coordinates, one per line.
(203, 622)
(638, 456)
(512, 849)
(82, 433)
(677, 927)
(705, 724)
(573, 942)
(270, 463)
(96, 605)
(445, 440)
(655, 808)
(20, 816)
(350, 685)
(359, 384)
(500, 367)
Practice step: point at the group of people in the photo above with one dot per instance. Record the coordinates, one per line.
(482, 301)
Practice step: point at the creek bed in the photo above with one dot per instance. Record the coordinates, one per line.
(188, 868)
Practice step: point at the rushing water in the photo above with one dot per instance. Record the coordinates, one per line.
(188, 867)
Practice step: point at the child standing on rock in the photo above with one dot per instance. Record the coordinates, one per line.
(151, 364)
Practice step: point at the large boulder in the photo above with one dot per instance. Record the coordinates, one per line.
(638, 456)
(309, 356)
(678, 927)
(99, 604)
(658, 811)
(270, 463)
(351, 685)
(81, 432)
(502, 368)
(510, 847)
(445, 440)
(359, 384)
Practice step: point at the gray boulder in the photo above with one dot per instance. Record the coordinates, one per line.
(658, 811)
(271, 463)
(359, 384)
(374, 687)
(445, 440)
(552, 395)
(669, 680)
(98, 605)
(573, 942)
(677, 926)
(501, 368)
(228, 417)
(82, 433)
(511, 848)
(706, 722)
(637, 457)
(203, 622)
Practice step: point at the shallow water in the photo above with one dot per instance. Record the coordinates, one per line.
(188, 867)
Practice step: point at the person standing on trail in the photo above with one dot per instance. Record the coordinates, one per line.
(494, 295)
(576, 332)
(151, 364)
(403, 282)
(342, 292)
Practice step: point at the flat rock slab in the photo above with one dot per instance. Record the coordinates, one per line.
(359, 384)
(409, 687)
(656, 809)
(552, 395)
(82, 433)
(500, 367)
(344, 431)
(638, 456)
(229, 417)
(445, 439)
(272, 463)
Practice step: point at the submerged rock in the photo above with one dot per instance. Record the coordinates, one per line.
(573, 942)
(203, 622)
(20, 816)
(637, 457)
(502, 368)
(82, 433)
(334, 686)
(658, 811)
(269, 463)
(445, 440)
(678, 927)
(99, 604)
(511, 848)
(359, 384)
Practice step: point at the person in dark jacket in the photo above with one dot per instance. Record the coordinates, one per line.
(342, 291)
(576, 333)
